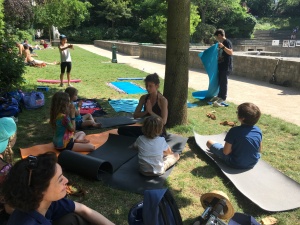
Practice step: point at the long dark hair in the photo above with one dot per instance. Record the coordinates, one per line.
(59, 104)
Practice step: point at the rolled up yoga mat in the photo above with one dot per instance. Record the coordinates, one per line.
(84, 165)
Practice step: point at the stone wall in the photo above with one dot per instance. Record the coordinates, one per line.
(128, 48)
(257, 67)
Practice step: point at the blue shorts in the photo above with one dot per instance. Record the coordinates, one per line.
(217, 149)
(78, 124)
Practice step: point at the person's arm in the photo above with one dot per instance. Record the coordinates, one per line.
(168, 151)
(61, 48)
(260, 147)
(71, 126)
(228, 50)
(227, 148)
(163, 105)
(138, 110)
(91, 215)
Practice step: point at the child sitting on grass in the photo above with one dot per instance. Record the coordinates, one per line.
(155, 155)
(242, 143)
(86, 120)
(62, 120)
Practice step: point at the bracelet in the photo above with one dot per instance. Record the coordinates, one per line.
(223, 47)
(73, 118)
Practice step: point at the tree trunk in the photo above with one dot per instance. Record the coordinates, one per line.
(177, 61)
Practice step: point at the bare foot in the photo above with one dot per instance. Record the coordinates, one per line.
(97, 125)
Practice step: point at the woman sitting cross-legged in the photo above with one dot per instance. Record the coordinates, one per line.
(151, 104)
(36, 188)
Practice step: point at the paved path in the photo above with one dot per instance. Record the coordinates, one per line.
(275, 100)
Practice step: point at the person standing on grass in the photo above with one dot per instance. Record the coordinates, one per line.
(224, 66)
(242, 143)
(65, 59)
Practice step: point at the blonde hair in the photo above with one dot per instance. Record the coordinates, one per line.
(152, 126)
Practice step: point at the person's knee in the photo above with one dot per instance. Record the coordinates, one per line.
(177, 156)
(209, 143)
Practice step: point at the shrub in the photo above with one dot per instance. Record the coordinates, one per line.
(84, 34)
(12, 67)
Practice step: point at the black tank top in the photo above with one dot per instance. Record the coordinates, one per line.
(155, 108)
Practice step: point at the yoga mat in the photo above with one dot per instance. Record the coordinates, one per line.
(57, 81)
(128, 178)
(95, 139)
(265, 186)
(124, 105)
(209, 58)
(127, 87)
(116, 121)
(130, 78)
(85, 165)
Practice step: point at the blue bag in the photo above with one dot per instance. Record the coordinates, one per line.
(9, 107)
(33, 100)
(158, 208)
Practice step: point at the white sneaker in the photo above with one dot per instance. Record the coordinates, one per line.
(214, 99)
(217, 104)
(220, 100)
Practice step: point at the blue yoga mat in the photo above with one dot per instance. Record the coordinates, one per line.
(124, 105)
(128, 87)
(209, 58)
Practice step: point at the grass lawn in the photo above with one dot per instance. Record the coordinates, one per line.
(194, 174)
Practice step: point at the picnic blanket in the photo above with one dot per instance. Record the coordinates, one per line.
(265, 186)
(127, 87)
(91, 106)
(124, 105)
(209, 58)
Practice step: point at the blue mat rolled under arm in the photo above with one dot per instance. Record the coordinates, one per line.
(127, 87)
(209, 58)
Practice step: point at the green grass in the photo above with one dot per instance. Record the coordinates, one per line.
(268, 23)
(194, 174)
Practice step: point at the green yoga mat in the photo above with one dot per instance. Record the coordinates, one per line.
(265, 186)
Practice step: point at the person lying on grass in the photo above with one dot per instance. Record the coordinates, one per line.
(62, 120)
(153, 103)
(155, 155)
(242, 143)
(33, 62)
(35, 191)
(86, 120)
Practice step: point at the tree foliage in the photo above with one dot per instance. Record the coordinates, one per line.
(1, 19)
(18, 13)
(62, 13)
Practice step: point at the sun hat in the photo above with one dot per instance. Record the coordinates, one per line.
(7, 128)
(62, 36)
(228, 210)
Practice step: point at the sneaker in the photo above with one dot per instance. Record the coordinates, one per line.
(61, 85)
(217, 104)
(214, 99)
(220, 100)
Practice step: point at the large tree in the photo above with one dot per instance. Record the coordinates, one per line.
(1, 19)
(177, 60)
(61, 13)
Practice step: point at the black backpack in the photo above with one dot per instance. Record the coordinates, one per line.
(157, 208)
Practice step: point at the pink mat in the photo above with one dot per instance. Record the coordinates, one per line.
(57, 81)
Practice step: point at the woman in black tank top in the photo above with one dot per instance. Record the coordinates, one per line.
(153, 103)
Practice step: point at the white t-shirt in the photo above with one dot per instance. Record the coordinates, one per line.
(65, 56)
(151, 153)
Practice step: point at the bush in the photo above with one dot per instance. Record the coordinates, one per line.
(12, 67)
(204, 34)
(84, 34)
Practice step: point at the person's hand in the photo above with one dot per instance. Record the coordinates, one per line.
(80, 102)
(149, 106)
(71, 46)
(72, 110)
(221, 45)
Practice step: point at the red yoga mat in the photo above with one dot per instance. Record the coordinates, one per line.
(58, 81)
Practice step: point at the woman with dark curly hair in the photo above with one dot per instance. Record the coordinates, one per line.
(36, 188)
(151, 104)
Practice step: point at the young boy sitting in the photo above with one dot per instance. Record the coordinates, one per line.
(155, 155)
(242, 143)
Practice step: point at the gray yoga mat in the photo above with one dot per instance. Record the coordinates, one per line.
(265, 186)
(116, 164)
(116, 121)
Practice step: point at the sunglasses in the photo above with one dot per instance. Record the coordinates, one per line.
(32, 164)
